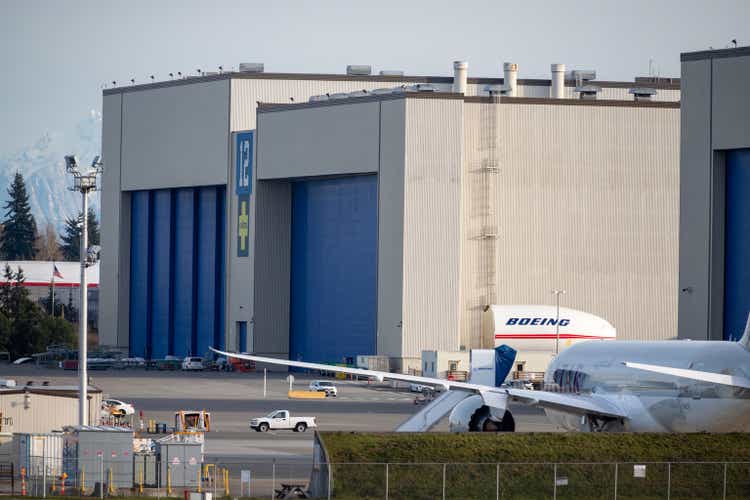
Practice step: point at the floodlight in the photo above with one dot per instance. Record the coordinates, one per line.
(71, 163)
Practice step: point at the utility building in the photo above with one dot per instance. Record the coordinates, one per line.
(363, 215)
(715, 195)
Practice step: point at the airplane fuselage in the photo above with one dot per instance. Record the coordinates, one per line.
(655, 402)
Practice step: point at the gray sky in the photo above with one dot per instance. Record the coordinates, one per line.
(56, 55)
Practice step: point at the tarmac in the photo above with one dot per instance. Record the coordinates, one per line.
(233, 398)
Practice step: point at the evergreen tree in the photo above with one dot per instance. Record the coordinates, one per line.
(46, 302)
(24, 328)
(19, 226)
(71, 237)
(56, 331)
(5, 330)
(71, 312)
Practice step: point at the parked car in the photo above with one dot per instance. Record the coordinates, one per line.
(116, 406)
(324, 386)
(421, 388)
(192, 363)
(280, 420)
(521, 384)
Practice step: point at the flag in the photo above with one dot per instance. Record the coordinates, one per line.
(56, 273)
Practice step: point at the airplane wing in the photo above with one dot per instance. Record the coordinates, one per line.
(379, 376)
(577, 404)
(495, 397)
(701, 376)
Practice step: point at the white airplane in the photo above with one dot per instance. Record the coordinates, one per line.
(654, 386)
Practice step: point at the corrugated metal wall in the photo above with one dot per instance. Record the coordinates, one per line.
(432, 225)
(273, 218)
(245, 93)
(737, 244)
(391, 227)
(586, 200)
(334, 269)
(114, 293)
(45, 413)
(177, 271)
(481, 169)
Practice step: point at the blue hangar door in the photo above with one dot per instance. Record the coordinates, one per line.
(737, 244)
(177, 270)
(334, 269)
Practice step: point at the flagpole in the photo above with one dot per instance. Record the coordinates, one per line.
(53, 289)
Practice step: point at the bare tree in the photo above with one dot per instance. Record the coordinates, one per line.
(47, 246)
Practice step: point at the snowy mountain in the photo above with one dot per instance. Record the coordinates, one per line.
(43, 168)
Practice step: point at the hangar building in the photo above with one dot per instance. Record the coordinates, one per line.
(363, 214)
(715, 195)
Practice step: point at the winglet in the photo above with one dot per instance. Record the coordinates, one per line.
(745, 340)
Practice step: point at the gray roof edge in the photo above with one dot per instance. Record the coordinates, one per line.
(715, 54)
(366, 78)
(276, 107)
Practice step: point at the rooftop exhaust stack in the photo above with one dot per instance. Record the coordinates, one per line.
(510, 77)
(358, 69)
(642, 93)
(557, 87)
(460, 69)
(251, 68)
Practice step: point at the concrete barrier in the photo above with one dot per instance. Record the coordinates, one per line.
(306, 395)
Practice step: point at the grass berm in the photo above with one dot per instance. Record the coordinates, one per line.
(525, 462)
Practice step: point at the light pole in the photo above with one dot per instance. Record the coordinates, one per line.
(557, 292)
(83, 182)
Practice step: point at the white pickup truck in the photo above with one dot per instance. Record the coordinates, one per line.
(280, 419)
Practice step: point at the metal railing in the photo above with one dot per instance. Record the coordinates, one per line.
(104, 476)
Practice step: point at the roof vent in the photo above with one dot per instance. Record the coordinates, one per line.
(642, 93)
(498, 90)
(581, 75)
(421, 87)
(587, 92)
(391, 72)
(510, 79)
(460, 69)
(358, 70)
(251, 68)
(657, 80)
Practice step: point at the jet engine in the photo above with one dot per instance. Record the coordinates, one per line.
(472, 415)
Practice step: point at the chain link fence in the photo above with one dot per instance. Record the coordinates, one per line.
(102, 476)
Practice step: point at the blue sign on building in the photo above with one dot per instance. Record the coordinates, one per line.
(244, 158)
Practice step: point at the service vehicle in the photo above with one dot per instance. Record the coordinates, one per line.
(113, 406)
(193, 363)
(281, 420)
(324, 386)
(421, 388)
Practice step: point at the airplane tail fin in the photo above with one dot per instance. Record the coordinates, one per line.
(504, 358)
(745, 340)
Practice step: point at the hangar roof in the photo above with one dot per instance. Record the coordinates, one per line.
(657, 83)
(272, 107)
(715, 54)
